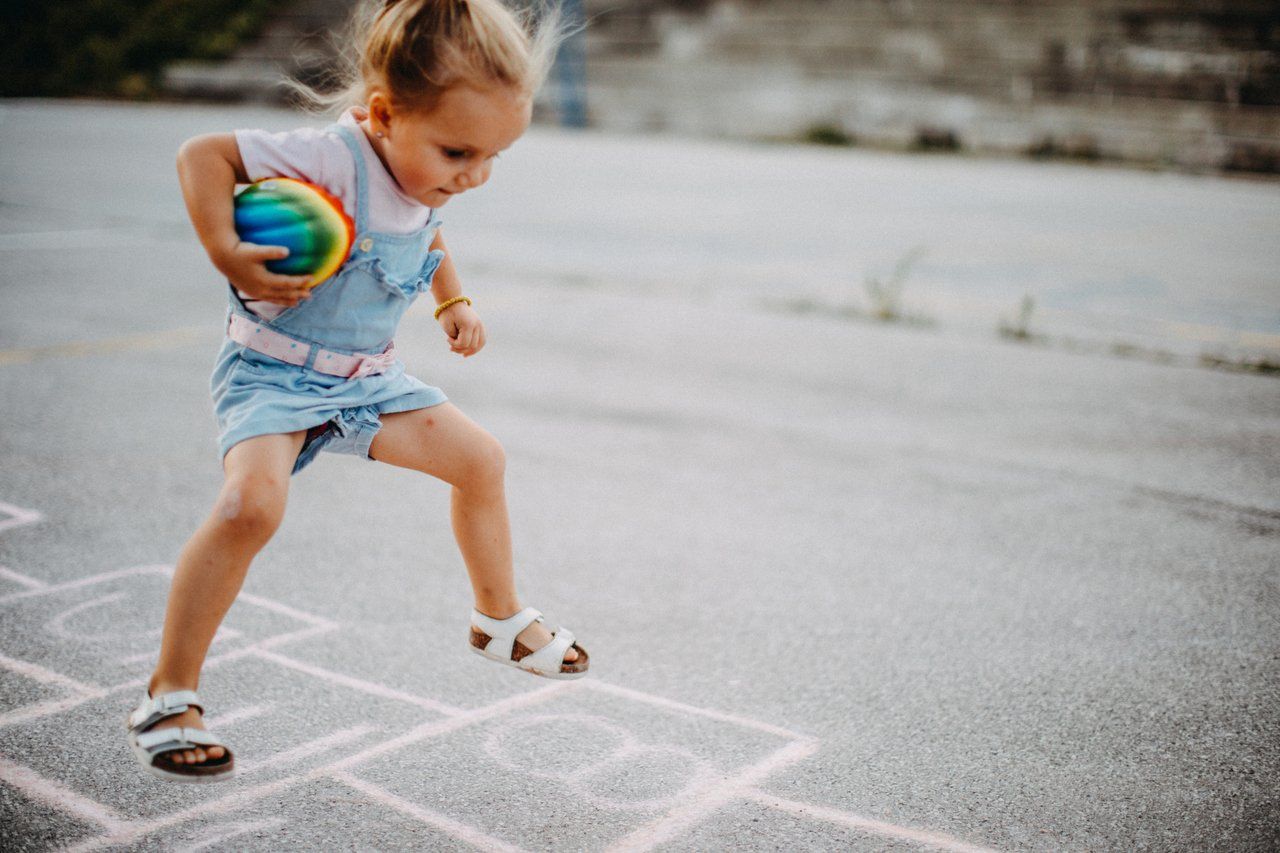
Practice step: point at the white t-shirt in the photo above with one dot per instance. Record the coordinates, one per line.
(322, 158)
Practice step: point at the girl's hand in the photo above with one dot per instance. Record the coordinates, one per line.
(244, 264)
(463, 327)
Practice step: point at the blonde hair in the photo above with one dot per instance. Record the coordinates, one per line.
(414, 50)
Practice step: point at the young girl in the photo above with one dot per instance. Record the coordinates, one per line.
(443, 86)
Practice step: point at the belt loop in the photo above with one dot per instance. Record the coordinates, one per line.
(312, 352)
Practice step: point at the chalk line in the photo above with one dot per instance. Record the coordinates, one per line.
(671, 704)
(60, 796)
(230, 718)
(701, 804)
(87, 693)
(212, 836)
(248, 796)
(939, 840)
(17, 516)
(240, 799)
(369, 687)
(457, 829)
(285, 610)
(19, 578)
(89, 581)
(223, 634)
(304, 750)
(45, 709)
(47, 676)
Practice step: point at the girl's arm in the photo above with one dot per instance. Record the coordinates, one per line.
(209, 167)
(459, 321)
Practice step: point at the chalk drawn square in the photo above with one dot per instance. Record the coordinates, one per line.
(19, 691)
(282, 722)
(321, 815)
(582, 770)
(27, 823)
(755, 826)
(106, 629)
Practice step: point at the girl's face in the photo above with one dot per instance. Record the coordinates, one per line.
(438, 154)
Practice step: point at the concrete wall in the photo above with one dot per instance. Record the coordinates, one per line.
(1187, 83)
(1194, 84)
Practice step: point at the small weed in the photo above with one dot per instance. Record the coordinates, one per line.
(883, 302)
(885, 294)
(1079, 146)
(826, 134)
(936, 139)
(1019, 328)
(1263, 365)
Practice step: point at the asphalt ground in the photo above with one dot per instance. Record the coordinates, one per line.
(845, 585)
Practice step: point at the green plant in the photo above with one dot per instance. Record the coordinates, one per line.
(826, 134)
(116, 47)
(1244, 364)
(885, 294)
(936, 139)
(1019, 328)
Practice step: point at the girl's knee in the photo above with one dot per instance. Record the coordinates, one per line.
(487, 462)
(252, 505)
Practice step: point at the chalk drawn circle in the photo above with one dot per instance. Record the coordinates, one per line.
(590, 756)
(556, 746)
(644, 778)
(59, 627)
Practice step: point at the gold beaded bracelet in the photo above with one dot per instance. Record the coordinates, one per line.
(454, 301)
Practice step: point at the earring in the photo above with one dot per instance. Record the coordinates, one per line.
(379, 134)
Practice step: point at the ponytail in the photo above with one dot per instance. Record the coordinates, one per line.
(416, 49)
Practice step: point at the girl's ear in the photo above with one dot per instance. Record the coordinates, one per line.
(380, 113)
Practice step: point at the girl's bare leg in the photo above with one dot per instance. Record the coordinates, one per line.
(213, 564)
(445, 443)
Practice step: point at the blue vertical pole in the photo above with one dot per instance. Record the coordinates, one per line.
(571, 67)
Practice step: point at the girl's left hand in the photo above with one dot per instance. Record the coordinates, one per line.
(463, 327)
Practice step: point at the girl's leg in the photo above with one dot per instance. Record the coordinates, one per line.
(213, 564)
(445, 443)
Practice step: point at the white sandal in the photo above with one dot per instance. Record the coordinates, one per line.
(496, 640)
(154, 748)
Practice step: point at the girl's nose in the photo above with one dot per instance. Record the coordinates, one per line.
(472, 178)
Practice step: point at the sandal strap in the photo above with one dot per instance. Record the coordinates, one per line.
(157, 741)
(550, 657)
(504, 631)
(153, 709)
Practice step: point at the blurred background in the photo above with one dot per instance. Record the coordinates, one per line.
(1186, 84)
(1137, 268)
(899, 373)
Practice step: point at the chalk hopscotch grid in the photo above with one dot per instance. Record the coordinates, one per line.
(700, 802)
(15, 516)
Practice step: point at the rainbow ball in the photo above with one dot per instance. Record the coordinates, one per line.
(302, 217)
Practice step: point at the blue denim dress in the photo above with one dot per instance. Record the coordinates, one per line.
(355, 311)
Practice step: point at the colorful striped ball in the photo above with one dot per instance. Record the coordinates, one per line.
(302, 217)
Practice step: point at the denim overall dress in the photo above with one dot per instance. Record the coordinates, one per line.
(350, 317)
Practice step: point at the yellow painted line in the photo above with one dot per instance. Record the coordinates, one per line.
(142, 342)
(1258, 339)
(1219, 334)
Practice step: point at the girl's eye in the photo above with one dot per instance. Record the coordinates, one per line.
(455, 153)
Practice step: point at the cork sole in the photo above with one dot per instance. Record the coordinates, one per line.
(479, 639)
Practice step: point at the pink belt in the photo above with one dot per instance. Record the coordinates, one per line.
(268, 341)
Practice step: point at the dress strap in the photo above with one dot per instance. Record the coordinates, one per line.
(362, 183)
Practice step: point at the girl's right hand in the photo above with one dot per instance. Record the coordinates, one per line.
(244, 265)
